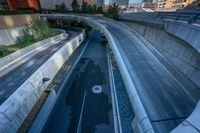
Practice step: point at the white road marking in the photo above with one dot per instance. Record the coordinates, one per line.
(80, 118)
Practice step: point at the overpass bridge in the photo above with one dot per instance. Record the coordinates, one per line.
(159, 101)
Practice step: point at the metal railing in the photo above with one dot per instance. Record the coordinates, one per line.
(189, 18)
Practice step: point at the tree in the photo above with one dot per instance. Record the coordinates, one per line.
(89, 9)
(61, 8)
(94, 8)
(113, 10)
(75, 6)
(100, 9)
(84, 6)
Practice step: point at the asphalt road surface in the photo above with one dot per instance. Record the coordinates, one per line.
(165, 101)
(13, 78)
(78, 109)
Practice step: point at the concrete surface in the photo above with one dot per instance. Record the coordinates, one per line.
(56, 87)
(191, 124)
(11, 59)
(180, 29)
(157, 98)
(177, 52)
(16, 107)
(13, 21)
(97, 109)
(44, 112)
(9, 36)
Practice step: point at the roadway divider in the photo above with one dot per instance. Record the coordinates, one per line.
(116, 115)
(142, 122)
(17, 107)
(16, 56)
(49, 103)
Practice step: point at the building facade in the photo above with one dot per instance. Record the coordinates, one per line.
(173, 4)
(22, 4)
(119, 2)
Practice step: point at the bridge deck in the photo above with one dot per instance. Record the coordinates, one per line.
(25, 67)
(165, 101)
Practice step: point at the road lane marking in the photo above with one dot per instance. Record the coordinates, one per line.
(80, 118)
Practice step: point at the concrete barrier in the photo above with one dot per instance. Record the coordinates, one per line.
(12, 21)
(44, 113)
(16, 56)
(143, 123)
(180, 29)
(177, 52)
(191, 124)
(9, 36)
(11, 27)
(188, 33)
(49, 103)
(16, 108)
(155, 34)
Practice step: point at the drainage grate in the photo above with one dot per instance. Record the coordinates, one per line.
(97, 89)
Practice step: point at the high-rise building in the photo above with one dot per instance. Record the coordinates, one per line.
(173, 4)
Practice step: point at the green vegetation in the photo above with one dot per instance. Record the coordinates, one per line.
(112, 11)
(86, 8)
(34, 32)
(61, 8)
(15, 12)
(75, 6)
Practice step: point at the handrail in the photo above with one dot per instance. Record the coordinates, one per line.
(189, 18)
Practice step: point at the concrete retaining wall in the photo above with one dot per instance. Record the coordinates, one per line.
(191, 124)
(178, 52)
(16, 108)
(187, 32)
(13, 21)
(9, 36)
(16, 56)
(143, 123)
(11, 27)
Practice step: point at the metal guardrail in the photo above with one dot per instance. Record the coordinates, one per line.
(189, 18)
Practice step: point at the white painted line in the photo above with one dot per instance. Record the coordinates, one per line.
(80, 118)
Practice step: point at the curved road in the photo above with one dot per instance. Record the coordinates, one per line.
(24, 68)
(166, 103)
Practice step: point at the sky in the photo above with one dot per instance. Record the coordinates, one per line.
(134, 1)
